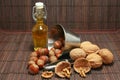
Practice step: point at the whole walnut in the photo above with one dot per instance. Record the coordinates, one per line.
(95, 60)
(77, 53)
(106, 55)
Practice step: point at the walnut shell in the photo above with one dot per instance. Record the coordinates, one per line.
(91, 48)
(107, 56)
(83, 64)
(77, 53)
(95, 60)
(60, 67)
(85, 43)
(47, 74)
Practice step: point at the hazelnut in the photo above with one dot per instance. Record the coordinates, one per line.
(95, 60)
(51, 52)
(34, 54)
(53, 59)
(77, 53)
(33, 69)
(107, 56)
(31, 62)
(43, 51)
(63, 69)
(58, 53)
(40, 63)
(57, 44)
(44, 58)
(33, 59)
(82, 66)
(47, 74)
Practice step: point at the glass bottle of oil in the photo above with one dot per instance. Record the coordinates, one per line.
(40, 29)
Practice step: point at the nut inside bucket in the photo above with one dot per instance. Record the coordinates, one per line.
(68, 39)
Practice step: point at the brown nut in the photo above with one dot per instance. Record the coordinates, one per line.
(107, 56)
(44, 58)
(53, 59)
(77, 53)
(43, 51)
(31, 62)
(47, 74)
(40, 63)
(63, 69)
(57, 44)
(84, 43)
(91, 48)
(33, 69)
(33, 59)
(34, 54)
(58, 53)
(52, 52)
(82, 66)
(95, 60)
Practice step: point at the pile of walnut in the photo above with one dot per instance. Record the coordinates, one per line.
(86, 57)
(89, 56)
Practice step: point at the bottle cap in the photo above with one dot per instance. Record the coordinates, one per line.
(39, 5)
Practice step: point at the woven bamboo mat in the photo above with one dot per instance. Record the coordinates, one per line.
(16, 47)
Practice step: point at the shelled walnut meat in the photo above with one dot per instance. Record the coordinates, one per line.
(47, 74)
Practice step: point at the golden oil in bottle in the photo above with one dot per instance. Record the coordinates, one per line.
(40, 30)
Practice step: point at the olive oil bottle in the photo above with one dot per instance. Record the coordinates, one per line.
(40, 29)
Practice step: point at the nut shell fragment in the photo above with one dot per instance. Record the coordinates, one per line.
(61, 68)
(82, 66)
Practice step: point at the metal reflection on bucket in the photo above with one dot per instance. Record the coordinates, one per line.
(68, 39)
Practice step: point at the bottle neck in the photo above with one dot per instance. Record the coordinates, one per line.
(40, 21)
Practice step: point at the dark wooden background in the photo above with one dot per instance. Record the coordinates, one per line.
(82, 15)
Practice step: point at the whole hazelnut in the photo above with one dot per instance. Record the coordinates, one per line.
(43, 51)
(33, 59)
(107, 56)
(53, 59)
(95, 60)
(57, 44)
(58, 53)
(77, 53)
(52, 52)
(34, 54)
(40, 63)
(44, 58)
(33, 69)
(31, 62)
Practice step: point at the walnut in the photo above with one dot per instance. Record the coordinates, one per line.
(63, 69)
(107, 56)
(82, 66)
(47, 74)
(95, 60)
(77, 53)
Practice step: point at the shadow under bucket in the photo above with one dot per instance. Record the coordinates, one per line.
(68, 39)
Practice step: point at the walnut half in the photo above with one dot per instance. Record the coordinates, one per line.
(47, 74)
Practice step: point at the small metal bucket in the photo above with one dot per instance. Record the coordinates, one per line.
(69, 39)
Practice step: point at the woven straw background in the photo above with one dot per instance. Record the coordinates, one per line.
(85, 15)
